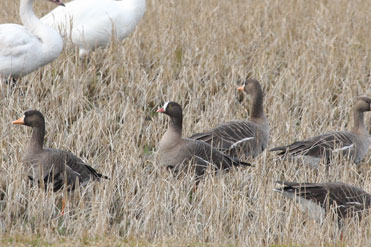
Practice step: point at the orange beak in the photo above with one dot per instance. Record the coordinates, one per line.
(161, 110)
(242, 88)
(19, 121)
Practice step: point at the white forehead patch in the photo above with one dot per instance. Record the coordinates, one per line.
(165, 105)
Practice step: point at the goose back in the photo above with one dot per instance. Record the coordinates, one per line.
(347, 200)
(227, 137)
(57, 167)
(242, 137)
(175, 152)
(327, 145)
(352, 144)
(202, 154)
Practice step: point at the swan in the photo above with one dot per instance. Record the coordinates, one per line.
(91, 23)
(24, 49)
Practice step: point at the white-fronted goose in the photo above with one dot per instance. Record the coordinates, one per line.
(175, 150)
(353, 144)
(247, 136)
(318, 198)
(52, 166)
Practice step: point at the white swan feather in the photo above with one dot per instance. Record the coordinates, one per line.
(24, 49)
(91, 23)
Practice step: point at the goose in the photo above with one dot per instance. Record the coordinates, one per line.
(92, 23)
(174, 151)
(24, 49)
(247, 136)
(318, 198)
(52, 166)
(353, 144)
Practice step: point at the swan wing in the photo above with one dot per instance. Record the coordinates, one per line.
(90, 21)
(15, 40)
(19, 50)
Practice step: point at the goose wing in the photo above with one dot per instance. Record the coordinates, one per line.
(319, 146)
(60, 167)
(77, 165)
(228, 135)
(205, 155)
(346, 198)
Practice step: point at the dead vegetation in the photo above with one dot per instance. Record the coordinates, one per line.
(311, 57)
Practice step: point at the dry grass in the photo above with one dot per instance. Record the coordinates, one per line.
(312, 58)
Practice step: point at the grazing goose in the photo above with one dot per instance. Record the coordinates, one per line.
(318, 198)
(91, 23)
(353, 144)
(247, 136)
(52, 166)
(24, 49)
(175, 150)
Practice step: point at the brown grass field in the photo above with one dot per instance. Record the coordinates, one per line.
(311, 57)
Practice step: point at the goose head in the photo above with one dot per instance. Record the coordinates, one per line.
(251, 86)
(363, 104)
(172, 109)
(32, 119)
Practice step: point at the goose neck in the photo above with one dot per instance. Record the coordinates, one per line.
(176, 124)
(257, 111)
(37, 139)
(359, 125)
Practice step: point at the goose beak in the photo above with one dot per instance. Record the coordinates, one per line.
(162, 110)
(242, 88)
(19, 121)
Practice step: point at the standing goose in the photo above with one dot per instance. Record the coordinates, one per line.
(353, 144)
(318, 198)
(91, 23)
(52, 166)
(24, 49)
(175, 150)
(247, 136)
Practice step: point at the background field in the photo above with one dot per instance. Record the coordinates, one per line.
(312, 58)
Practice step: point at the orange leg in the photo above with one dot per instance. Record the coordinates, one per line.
(63, 205)
(195, 188)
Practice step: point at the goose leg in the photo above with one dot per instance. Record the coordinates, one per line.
(63, 205)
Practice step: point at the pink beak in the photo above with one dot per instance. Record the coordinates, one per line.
(242, 88)
(161, 110)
